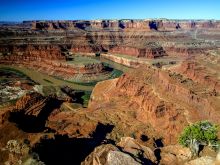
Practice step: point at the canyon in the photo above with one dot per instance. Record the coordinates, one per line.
(144, 82)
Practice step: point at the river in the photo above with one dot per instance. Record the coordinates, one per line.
(47, 80)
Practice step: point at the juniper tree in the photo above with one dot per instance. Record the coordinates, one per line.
(202, 133)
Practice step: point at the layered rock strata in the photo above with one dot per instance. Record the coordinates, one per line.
(166, 100)
(159, 24)
(140, 38)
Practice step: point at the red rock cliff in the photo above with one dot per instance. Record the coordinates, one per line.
(167, 101)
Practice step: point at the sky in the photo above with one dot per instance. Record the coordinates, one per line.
(19, 10)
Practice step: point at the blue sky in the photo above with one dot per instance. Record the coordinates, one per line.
(18, 10)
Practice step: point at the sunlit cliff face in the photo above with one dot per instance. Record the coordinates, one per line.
(159, 76)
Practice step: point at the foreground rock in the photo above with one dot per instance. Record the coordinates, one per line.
(109, 154)
(130, 145)
(22, 126)
(104, 122)
(116, 157)
(127, 151)
(175, 154)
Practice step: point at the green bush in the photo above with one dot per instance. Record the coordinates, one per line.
(199, 134)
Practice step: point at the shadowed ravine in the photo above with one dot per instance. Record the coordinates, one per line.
(31, 123)
(68, 151)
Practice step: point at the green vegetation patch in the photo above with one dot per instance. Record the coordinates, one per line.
(92, 84)
(3, 80)
(86, 98)
(11, 70)
(115, 74)
(202, 133)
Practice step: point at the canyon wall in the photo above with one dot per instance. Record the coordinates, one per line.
(126, 24)
(199, 73)
(149, 104)
(149, 52)
(56, 68)
(139, 38)
(166, 100)
(32, 52)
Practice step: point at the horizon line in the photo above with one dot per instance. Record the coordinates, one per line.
(112, 19)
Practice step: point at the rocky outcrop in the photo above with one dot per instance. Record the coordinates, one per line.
(185, 51)
(149, 52)
(83, 49)
(130, 152)
(140, 38)
(167, 101)
(130, 145)
(99, 155)
(133, 63)
(32, 110)
(116, 157)
(199, 73)
(175, 154)
(31, 52)
(109, 154)
(82, 123)
(26, 103)
(58, 68)
(15, 139)
(148, 106)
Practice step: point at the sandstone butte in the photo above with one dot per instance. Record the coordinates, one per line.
(135, 118)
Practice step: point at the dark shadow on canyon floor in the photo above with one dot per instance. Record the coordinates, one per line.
(69, 151)
(31, 123)
(74, 94)
(158, 144)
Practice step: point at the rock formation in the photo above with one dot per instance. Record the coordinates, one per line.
(131, 153)
(136, 118)
(56, 40)
(109, 154)
(159, 24)
(166, 100)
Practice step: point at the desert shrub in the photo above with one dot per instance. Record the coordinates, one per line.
(202, 133)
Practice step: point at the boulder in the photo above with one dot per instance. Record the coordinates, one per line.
(131, 146)
(175, 154)
(117, 157)
(109, 154)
